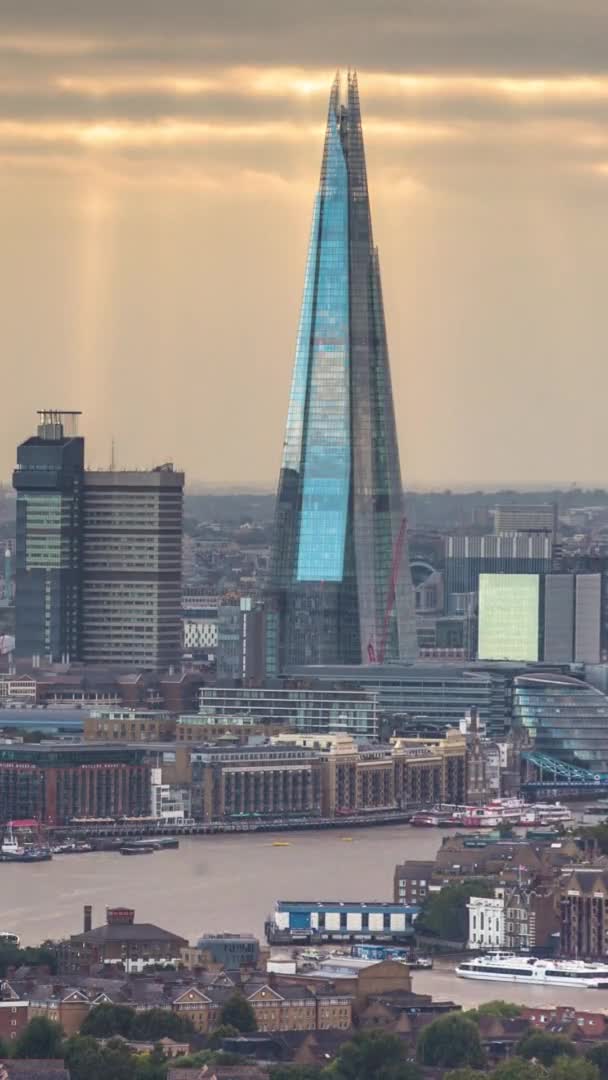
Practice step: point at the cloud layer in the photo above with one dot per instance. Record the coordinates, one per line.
(157, 169)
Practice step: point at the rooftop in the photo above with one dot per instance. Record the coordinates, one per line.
(126, 932)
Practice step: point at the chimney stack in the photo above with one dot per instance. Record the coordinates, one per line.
(88, 918)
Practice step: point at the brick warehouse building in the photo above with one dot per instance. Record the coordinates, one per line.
(55, 782)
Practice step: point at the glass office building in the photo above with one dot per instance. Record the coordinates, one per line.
(509, 617)
(339, 549)
(565, 717)
(48, 481)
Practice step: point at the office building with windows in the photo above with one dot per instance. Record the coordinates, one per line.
(340, 586)
(565, 718)
(553, 618)
(426, 698)
(132, 572)
(312, 707)
(532, 517)
(507, 553)
(240, 641)
(48, 481)
(509, 617)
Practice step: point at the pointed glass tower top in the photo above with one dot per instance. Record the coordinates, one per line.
(340, 587)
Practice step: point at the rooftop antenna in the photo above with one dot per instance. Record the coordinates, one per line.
(113, 456)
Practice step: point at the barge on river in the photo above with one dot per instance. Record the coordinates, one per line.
(308, 922)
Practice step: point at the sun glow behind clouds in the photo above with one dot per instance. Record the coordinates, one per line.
(268, 82)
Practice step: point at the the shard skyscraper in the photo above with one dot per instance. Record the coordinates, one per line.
(340, 590)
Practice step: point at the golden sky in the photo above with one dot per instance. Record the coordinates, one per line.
(158, 163)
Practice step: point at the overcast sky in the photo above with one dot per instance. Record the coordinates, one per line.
(158, 163)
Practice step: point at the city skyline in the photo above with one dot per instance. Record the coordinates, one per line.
(156, 186)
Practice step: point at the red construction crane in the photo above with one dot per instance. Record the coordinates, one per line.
(390, 599)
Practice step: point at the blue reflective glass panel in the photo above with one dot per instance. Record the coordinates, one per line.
(326, 450)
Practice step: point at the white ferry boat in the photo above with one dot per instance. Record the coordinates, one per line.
(506, 967)
(509, 810)
(547, 814)
(481, 817)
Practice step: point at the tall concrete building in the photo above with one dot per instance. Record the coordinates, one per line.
(532, 517)
(240, 641)
(340, 585)
(48, 481)
(132, 568)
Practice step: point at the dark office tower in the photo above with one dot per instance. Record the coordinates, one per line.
(340, 548)
(132, 568)
(48, 481)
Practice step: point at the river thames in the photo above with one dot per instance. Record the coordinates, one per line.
(230, 883)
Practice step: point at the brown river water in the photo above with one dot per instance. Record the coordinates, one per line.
(230, 883)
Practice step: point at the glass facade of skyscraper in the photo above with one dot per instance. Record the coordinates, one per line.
(340, 588)
(565, 717)
(48, 481)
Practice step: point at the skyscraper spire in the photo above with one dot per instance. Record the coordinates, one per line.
(340, 588)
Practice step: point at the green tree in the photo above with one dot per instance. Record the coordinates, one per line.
(41, 1038)
(237, 1012)
(444, 914)
(506, 1010)
(154, 1024)
(544, 1047)
(517, 1068)
(118, 1060)
(5, 1049)
(83, 1056)
(573, 1068)
(149, 1067)
(598, 1055)
(13, 956)
(224, 1031)
(373, 1055)
(106, 1020)
(449, 1042)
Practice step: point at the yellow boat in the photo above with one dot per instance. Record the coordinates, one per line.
(349, 839)
(280, 843)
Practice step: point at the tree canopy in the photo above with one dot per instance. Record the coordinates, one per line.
(516, 1068)
(41, 1038)
(373, 1055)
(568, 1067)
(450, 1041)
(148, 1026)
(444, 914)
(13, 956)
(237, 1013)
(544, 1047)
(598, 1055)
(88, 1060)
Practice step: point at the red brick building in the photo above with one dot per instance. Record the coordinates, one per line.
(14, 1015)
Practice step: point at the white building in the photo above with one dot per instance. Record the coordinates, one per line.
(200, 633)
(486, 921)
(170, 803)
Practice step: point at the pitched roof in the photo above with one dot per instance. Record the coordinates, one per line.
(129, 932)
(34, 1070)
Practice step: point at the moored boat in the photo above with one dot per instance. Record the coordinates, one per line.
(506, 967)
(424, 819)
(547, 814)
